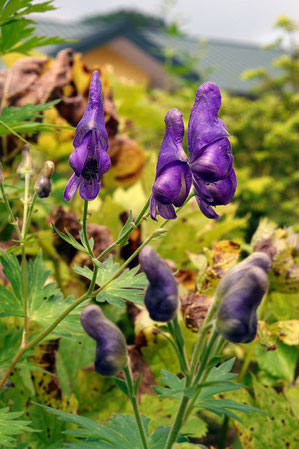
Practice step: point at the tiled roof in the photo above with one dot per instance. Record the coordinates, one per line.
(225, 61)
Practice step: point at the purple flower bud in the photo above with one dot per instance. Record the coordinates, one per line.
(161, 296)
(173, 176)
(89, 160)
(241, 291)
(43, 185)
(111, 348)
(210, 154)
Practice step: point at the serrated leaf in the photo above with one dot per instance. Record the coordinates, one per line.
(175, 385)
(121, 238)
(128, 286)
(220, 376)
(122, 385)
(11, 426)
(45, 300)
(70, 239)
(119, 432)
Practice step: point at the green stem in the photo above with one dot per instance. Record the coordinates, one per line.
(24, 263)
(223, 433)
(206, 356)
(178, 422)
(133, 398)
(13, 220)
(247, 361)
(201, 336)
(84, 228)
(178, 336)
(133, 226)
(30, 212)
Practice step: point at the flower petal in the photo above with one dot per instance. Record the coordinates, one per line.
(93, 117)
(104, 163)
(171, 148)
(79, 156)
(186, 182)
(89, 190)
(223, 191)
(206, 209)
(201, 188)
(215, 161)
(166, 211)
(71, 187)
(168, 184)
(153, 207)
(204, 125)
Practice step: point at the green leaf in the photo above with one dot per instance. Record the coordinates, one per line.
(11, 426)
(280, 364)
(17, 32)
(278, 429)
(70, 239)
(220, 378)
(45, 300)
(128, 286)
(121, 238)
(175, 385)
(119, 432)
(122, 385)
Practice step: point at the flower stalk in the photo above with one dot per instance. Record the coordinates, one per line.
(134, 401)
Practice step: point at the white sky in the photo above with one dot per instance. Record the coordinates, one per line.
(243, 20)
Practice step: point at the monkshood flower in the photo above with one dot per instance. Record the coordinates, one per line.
(241, 291)
(111, 348)
(173, 176)
(210, 164)
(89, 160)
(210, 154)
(161, 296)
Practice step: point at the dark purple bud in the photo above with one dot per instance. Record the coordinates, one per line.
(43, 185)
(236, 273)
(210, 154)
(161, 296)
(89, 160)
(111, 348)
(173, 176)
(241, 291)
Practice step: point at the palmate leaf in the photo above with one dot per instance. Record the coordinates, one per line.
(175, 385)
(19, 119)
(128, 286)
(11, 426)
(119, 432)
(45, 300)
(17, 31)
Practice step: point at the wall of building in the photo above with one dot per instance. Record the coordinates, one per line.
(122, 66)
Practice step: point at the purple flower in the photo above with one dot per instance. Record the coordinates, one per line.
(173, 176)
(210, 154)
(161, 296)
(111, 349)
(89, 160)
(241, 291)
(210, 166)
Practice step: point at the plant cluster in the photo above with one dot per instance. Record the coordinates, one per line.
(156, 309)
